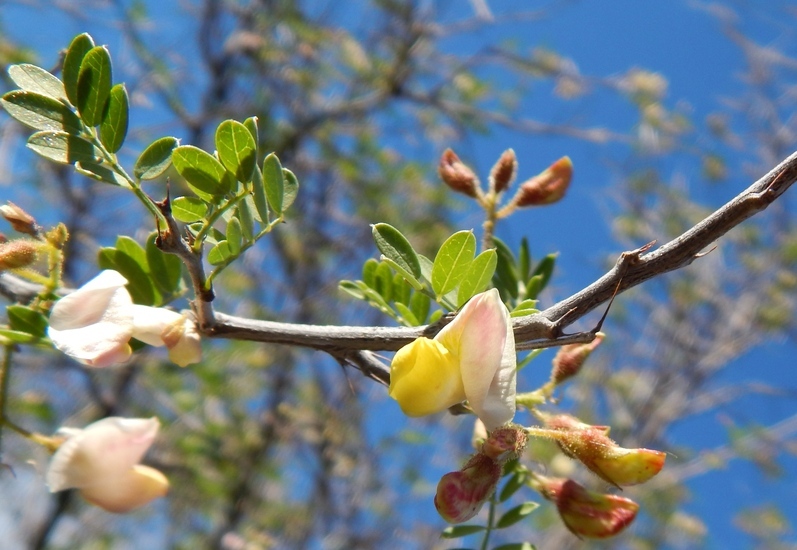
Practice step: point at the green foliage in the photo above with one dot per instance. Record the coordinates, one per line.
(203, 173)
(155, 159)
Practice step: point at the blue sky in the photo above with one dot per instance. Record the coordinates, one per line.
(604, 38)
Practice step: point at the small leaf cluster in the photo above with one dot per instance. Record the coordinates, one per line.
(517, 279)
(237, 200)
(81, 120)
(154, 277)
(403, 283)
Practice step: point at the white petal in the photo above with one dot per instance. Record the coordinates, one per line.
(487, 358)
(105, 449)
(184, 342)
(149, 323)
(94, 323)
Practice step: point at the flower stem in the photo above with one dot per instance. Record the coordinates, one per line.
(490, 520)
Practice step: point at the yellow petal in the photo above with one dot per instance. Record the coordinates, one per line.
(135, 488)
(425, 378)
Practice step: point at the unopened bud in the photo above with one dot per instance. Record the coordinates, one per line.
(570, 358)
(456, 175)
(57, 236)
(505, 443)
(547, 187)
(16, 254)
(460, 495)
(586, 513)
(597, 451)
(19, 219)
(504, 170)
(479, 434)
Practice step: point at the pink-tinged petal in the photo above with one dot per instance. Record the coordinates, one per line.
(149, 323)
(460, 495)
(184, 342)
(486, 351)
(106, 449)
(425, 378)
(131, 490)
(94, 323)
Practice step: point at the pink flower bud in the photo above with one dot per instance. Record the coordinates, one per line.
(17, 254)
(586, 513)
(598, 452)
(19, 219)
(460, 495)
(505, 443)
(504, 170)
(547, 187)
(456, 175)
(570, 358)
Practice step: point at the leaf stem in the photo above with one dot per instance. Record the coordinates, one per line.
(490, 520)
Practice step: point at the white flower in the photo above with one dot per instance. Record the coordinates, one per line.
(95, 323)
(471, 358)
(102, 462)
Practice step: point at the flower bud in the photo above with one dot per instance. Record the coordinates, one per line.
(19, 219)
(57, 236)
(570, 358)
(547, 187)
(460, 495)
(593, 447)
(504, 170)
(505, 443)
(456, 175)
(16, 254)
(585, 513)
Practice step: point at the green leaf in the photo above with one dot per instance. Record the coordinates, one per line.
(505, 279)
(237, 149)
(24, 319)
(220, 253)
(16, 337)
(515, 482)
(534, 286)
(516, 546)
(251, 125)
(290, 189)
(457, 531)
(402, 291)
(204, 174)
(453, 258)
(369, 272)
(478, 276)
(35, 79)
(244, 215)
(524, 259)
(155, 159)
(94, 85)
(80, 46)
(383, 280)
(41, 112)
(189, 209)
(419, 305)
(113, 128)
(274, 182)
(259, 196)
(100, 172)
(416, 284)
(234, 236)
(62, 147)
(426, 269)
(526, 307)
(407, 314)
(165, 269)
(516, 514)
(134, 269)
(545, 269)
(353, 289)
(396, 247)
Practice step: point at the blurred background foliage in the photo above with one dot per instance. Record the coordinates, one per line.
(270, 447)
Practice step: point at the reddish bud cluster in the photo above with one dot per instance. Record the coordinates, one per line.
(503, 173)
(457, 175)
(586, 513)
(570, 358)
(547, 187)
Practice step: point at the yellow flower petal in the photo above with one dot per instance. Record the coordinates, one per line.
(425, 378)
